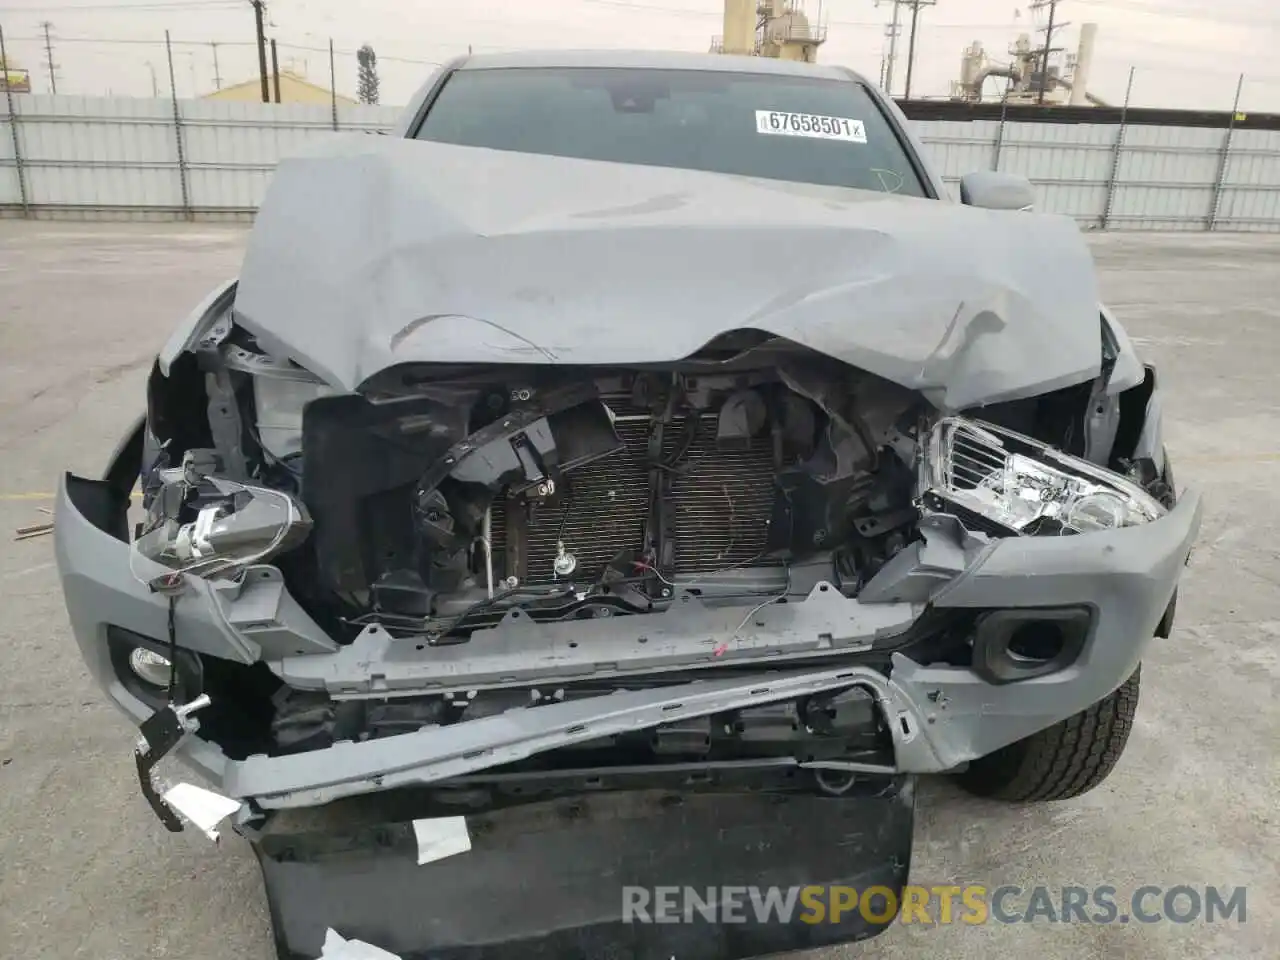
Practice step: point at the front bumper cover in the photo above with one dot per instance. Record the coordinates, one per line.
(940, 716)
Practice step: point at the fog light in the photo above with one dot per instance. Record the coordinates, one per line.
(1026, 642)
(1039, 641)
(150, 667)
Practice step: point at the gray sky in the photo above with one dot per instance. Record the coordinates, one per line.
(1188, 53)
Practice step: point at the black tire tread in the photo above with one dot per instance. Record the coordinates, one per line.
(1063, 761)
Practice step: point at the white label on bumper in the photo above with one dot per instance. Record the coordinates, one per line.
(441, 837)
(202, 807)
(784, 124)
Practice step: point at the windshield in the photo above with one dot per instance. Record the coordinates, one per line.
(800, 129)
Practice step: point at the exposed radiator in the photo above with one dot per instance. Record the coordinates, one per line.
(722, 499)
(722, 502)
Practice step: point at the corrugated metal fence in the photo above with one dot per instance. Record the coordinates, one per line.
(1125, 177)
(97, 158)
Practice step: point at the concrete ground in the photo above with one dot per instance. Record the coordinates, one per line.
(86, 871)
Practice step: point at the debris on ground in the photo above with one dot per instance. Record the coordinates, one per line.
(337, 948)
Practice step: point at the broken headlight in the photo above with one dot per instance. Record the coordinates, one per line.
(209, 526)
(1022, 486)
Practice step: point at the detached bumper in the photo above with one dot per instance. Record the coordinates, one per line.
(602, 876)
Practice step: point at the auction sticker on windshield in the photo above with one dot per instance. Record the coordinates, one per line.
(784, 124)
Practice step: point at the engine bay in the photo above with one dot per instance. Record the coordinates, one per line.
(520, 506)
(440, 498)
(597, 492)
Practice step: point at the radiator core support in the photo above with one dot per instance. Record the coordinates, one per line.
(720, 503)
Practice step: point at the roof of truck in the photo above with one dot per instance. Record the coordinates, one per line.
(655, 60)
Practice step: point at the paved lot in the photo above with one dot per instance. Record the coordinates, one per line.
(85, 870)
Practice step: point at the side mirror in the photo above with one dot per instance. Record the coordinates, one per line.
(996, 191)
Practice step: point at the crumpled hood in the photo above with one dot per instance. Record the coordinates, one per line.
(372, 252)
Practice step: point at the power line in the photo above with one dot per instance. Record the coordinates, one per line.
(172, 5)
(247, 43)
(1181, 13)
(1188, 6)
(135, 41)
(1181, 66)
(685, 12)
(1134, 5)
(352, 53)
(112, 41)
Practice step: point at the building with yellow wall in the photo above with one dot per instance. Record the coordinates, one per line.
(294, 88)
(14, 79)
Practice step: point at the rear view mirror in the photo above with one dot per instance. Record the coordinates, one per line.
(996, 191)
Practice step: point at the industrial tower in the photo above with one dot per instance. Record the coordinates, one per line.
(770, 28)
(1028, 80)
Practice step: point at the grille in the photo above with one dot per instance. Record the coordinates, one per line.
(722, 502)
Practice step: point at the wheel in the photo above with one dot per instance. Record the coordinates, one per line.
(1061, 761)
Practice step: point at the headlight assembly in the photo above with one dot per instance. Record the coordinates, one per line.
(1011, 484)
(213, 527)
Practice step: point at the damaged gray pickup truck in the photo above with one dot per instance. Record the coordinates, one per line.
(639, 468)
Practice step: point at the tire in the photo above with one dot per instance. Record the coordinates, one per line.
(1062, 761)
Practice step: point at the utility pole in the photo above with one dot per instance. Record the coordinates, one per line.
(1048, 44)
(275, 69)
(258, 7)
(155, 87)
(894, 30)
(48, 50)
(217, 74)
(333, 85)
(911, 44)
